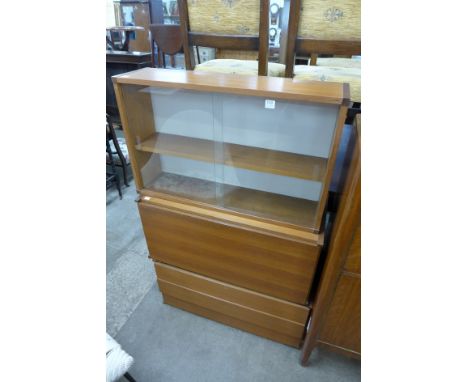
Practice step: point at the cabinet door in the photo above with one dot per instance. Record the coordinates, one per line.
(274, 154)
(275, 266)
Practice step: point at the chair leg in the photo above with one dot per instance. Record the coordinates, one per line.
(117, 180)
(125, 179)
(115, 175)
(115, 141)
(129, 377)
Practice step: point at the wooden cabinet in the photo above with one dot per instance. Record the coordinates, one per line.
(233, 174)
(336, 319)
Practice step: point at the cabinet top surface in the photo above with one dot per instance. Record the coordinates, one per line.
(274, 87)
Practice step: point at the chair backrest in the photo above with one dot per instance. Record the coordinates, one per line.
(110, 132)
(227, 25)
(323, 27)
(168, 38)
(330, 19)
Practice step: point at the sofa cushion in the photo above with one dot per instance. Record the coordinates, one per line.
(331, 74)
(247, 67)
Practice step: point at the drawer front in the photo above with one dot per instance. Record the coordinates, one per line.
(262, 315)
(274, 266)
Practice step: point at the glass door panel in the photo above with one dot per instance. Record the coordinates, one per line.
(180, 148)
(266, 158)
(275, 156)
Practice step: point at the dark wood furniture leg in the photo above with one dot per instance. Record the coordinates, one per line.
(112, 177)
(129, 377)
(118, 151)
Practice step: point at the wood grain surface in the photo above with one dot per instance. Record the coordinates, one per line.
(353, 259)
(330, 165)
(260, 86)
(336, 320)
(277, 267)
(231, 321)
(342, 327)
(234, 218)
(228, 308)
(231, 293)
(136, 113)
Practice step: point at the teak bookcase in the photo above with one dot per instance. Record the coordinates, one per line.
(233, 175)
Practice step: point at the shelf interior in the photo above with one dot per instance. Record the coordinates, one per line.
(247, 157)
(262, 204)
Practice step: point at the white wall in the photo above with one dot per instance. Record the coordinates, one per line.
(110, 16)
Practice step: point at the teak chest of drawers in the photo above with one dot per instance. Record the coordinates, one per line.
(233, 175)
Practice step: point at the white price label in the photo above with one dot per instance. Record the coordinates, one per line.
(146, 198)
(269, 104)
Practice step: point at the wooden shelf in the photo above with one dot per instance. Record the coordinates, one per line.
(247, 157)
(286, 209)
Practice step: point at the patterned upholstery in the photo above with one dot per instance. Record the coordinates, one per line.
(236, 17)
(338, 62)
(330, 19)
(332, 74)
(244, 67)
(237, 54)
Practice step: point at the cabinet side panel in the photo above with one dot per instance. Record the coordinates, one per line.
(137, 117)
(342, 326)
(330, 165)
(353, 259)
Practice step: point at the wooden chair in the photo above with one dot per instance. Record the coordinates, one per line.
(237, 29)
(111, 175)
(117, 147)
(168, 39)
(325, 27)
